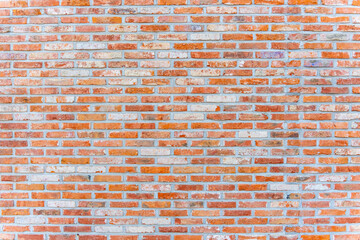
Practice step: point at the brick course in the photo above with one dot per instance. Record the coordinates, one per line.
(179, 119)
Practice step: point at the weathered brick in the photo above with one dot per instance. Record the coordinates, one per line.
(238, 118)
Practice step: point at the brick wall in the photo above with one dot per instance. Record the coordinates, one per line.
(179, 119)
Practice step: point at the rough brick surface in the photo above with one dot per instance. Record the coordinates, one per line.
(179, 119)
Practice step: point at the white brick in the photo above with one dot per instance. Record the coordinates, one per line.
(279, 236)
(334, 108)
(59, 11)
(190, 81)
(156, 221)
(91, 46)
(172, 55)
(7, 236)
(347, 116)
(60, 169)
(30, 220)
(75, 73)
(13, 108)
(133, 229)
(189, 116)
(265, 72)
(219, 98)
(139, 73)
(341, 203)
(317, 187)
(21, 29)
(354, 228)
(335, 36)
(356, 72)
(107, 160)
(251, 10)
(28, 117)
(123, 81)
(29, 169)
(205, 36)
(219, 237)
(356, 19)
(61, 204)
(355, 143)
(253, 152)
(139, 37)
(221, 10)
(155, 151)
(62, 29)
(107, 55)
(68, 55)
(221, 28)
(347, 152)
(43, 55)
(64, 99)
(109, 229)
(155, 10)
(155, 64)
(253, 134)
(91, 169)
(155, 187)
(236, 160)
(58, 46)
(284, 187)
(172, 160)
(108, 212)
(332, 178)
(123, 116)
(59, 82)
(44, 178)
(204, 108)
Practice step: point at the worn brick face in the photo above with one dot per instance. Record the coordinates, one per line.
(179, 119)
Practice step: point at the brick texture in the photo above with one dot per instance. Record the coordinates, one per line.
(179, 119)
